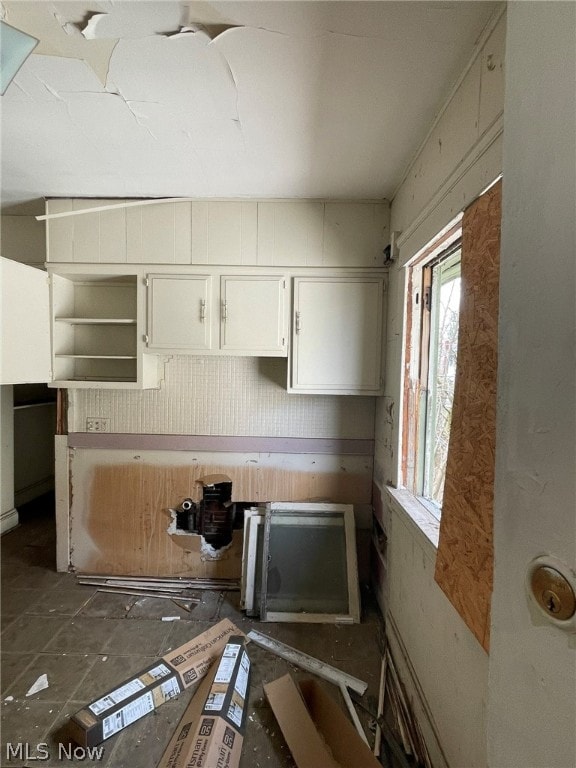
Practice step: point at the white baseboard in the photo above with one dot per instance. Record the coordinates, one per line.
(8, 520)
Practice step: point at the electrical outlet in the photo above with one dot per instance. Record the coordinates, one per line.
(95, 424)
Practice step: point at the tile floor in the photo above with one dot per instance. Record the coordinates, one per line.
(87, 642)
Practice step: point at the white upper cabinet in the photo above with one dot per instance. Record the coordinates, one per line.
(179, 312)
(337, 335)
(251, 233)
(253, 317)
(73, 329)
(239, 314)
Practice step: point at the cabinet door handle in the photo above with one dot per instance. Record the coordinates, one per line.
(298, 323)
(224, 310)
(202, 310)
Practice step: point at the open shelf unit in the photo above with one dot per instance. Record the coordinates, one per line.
(95, 329)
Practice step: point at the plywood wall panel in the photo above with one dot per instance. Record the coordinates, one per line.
(120, 514)
(465, 553)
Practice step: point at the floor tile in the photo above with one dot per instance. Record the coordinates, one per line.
(33, 577)
(59, 602)
(6, 621)
(83, 635)
(30, 633)
(107, 606)
(156, 608)
(65, 673)
(230, 606)
(13, 665)
(209, 606)
(182, 632)
(141, 635)
(25, 722)
(17, 601)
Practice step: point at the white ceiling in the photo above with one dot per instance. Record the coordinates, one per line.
(296, 99)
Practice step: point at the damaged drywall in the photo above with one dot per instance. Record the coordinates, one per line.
(227, 100)
(121, 21)
(189, 540)
(53, 24)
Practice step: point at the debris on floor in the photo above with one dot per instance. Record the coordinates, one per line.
(212, 728)
(90, 647)
(174, 585)
(309, 663)
(40, 685)
(144, 692)
(406, 741)
(315, 728)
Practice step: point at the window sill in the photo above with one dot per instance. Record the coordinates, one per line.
(417, 516)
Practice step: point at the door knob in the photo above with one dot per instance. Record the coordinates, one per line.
(553, 592)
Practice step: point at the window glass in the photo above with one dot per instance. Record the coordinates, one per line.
(443, 303)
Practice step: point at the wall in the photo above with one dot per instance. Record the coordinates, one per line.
(23, 239)
(449, 670)
(34, 429)
(225, 397)
(287, 233)
(203, 395)
(8, 514)
(532, 705)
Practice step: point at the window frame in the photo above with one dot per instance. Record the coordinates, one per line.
(417, 362)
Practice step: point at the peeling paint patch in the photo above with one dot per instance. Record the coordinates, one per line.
(54, 25)
(209, 31)
(120, 22)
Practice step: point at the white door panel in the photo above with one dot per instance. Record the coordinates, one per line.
(24, 324)
(252, 314)
(179, 312)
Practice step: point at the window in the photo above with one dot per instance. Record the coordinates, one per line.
(431, 354)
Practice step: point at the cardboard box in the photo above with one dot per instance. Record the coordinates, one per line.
(149, 689)
(212, 728)
(316, 729)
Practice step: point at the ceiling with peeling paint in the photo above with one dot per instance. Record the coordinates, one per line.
(227, 99)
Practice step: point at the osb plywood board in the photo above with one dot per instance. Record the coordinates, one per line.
(120, 511)
(465, 552)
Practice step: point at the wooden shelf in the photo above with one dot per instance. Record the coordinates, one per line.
(112, 379)
(99, 357)
(95, 321)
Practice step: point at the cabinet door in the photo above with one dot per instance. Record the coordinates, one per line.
(24, 324)
(337, 335)
(253, 315)
(179, 312)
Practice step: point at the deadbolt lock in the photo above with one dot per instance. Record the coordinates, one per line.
(553, 592)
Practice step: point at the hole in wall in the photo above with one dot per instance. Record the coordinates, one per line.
(214, 517)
